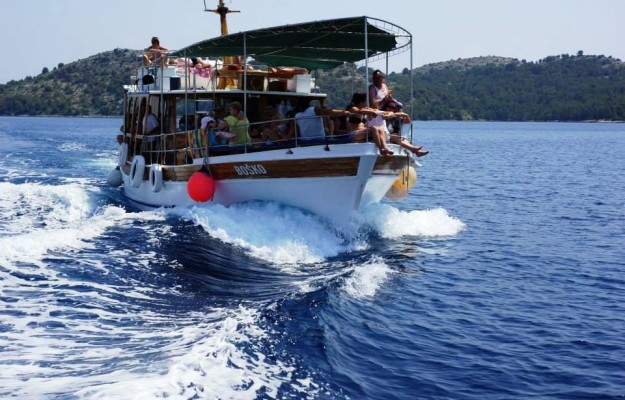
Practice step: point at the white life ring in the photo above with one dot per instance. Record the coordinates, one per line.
(136, 171)
(123, 154)
(156, 177)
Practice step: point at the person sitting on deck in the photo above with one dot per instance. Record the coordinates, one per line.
(267, 132)
(150, 122)
(208, 123)
(289, 131)
(237, 124)
(393, 111)
(155, 53)
(310, 122)
(356, 127)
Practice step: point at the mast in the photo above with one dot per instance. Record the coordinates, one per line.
(222, 10)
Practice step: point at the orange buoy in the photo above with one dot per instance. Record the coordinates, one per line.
(396, 194)
(201, 186)
(405, 180)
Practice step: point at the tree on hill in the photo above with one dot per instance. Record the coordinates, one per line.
(557, 88)
(85, 87)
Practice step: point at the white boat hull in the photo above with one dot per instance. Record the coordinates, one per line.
(333, 192)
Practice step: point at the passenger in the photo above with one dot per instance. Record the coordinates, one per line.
(186, 122)
(311, 127)
(257, 137)
(287, 127)
(155, 53)
(237, 124)
(340, 126)
(201, 63)
(392, 111)
(395, 117)
(270, 131)
(356, 123)
(379, 93)
(280, 128)
(286, 71)
(150, 122)
(207, 122)
(219, 114)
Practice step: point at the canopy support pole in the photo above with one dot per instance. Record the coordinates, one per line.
(367, 60)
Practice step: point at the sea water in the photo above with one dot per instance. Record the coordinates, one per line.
(501, 277)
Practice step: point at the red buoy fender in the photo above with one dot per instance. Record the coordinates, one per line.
(201, 186)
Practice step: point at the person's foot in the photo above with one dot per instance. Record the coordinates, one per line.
(421, 153)
(386, 152)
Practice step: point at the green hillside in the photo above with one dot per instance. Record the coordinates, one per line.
(557, 88)
(90, 87)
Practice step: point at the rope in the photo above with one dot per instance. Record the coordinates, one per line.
(206, 162)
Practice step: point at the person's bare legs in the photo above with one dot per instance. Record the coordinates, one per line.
(416, 150)
(379, 138)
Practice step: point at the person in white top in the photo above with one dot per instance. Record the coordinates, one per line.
(207, 122)
(310, 122)
(381, 98)
(379, 93)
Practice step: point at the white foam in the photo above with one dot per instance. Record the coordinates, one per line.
(287, 236)
(366, 279)
(37, 219)
(206, 360)
(72, 146)
(218, 353)
(392, 223)
(277, 234)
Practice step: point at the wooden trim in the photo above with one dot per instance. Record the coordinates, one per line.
(302, 168)
(309, 168)
(390, 165)
(179, 173)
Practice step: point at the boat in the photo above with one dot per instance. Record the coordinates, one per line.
(181, 165)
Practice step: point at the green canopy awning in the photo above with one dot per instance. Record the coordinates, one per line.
(319, 44)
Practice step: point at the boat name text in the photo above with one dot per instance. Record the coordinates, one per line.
(246, 169)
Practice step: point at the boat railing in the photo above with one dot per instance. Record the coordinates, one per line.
(182, 147)
(185, 146)
(180, 73)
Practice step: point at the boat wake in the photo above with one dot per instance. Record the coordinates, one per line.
(208, 356)
(285, 235)
(85, 315)
(40, 219)
(392, 223)
(366, 279)
(95, 306)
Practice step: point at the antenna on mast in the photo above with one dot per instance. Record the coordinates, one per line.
(222, 10)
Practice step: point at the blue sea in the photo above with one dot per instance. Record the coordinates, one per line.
(502, 276)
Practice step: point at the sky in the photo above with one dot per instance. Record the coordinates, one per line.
(37, 33)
